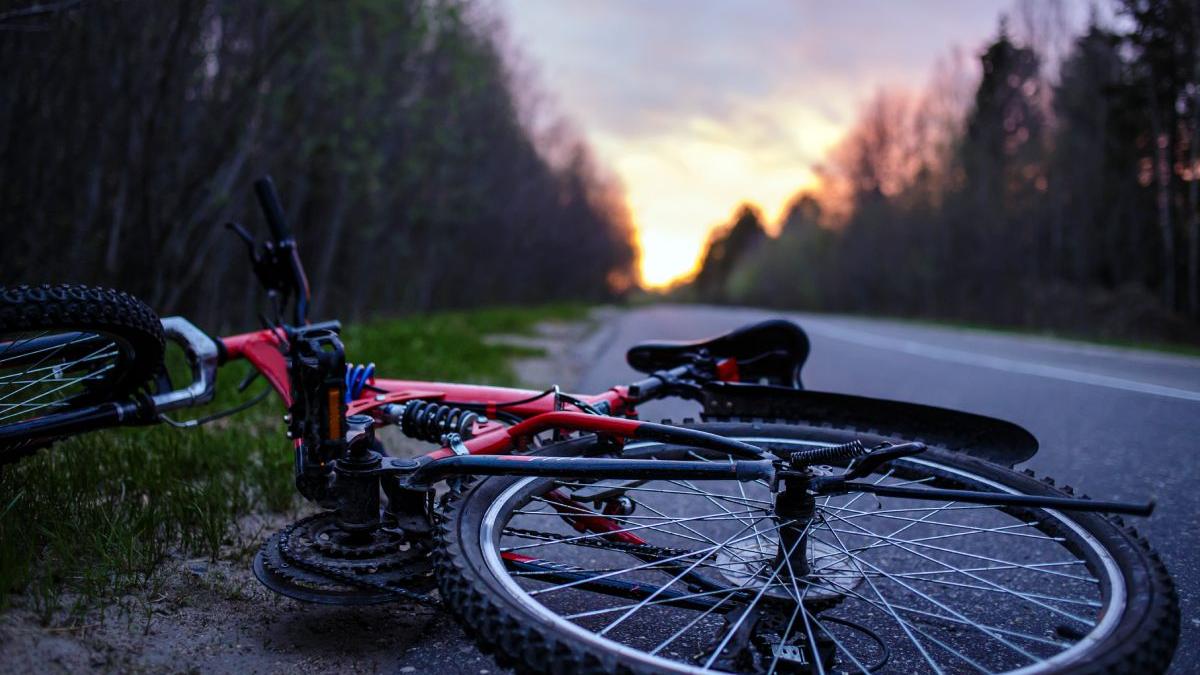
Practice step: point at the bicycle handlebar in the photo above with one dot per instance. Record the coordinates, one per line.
(656, 385)
(268, 199)
(202, 355)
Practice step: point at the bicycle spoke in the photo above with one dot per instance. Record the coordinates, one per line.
(58, 381)
(1001, 530)
(594, 535)
(837, 643)
(883, 540)
(942, 617)
(635, 568)
(738, 624)
(682, 631)
(741, 491)
(9, 345)
(1036, 567)
(689, 596)
(706, 537)
(668, 519)
(904, 627)
(61, 367)
(800, 598)
(677, 577)
(859, 561)
(46, 376)
(52, 348)
(51, 391)
(948, 566)
(655, 527)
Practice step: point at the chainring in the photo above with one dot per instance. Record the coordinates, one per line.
(315, 561)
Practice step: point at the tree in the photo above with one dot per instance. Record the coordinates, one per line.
(1164, 46)
(1096, 199)
(726, 246)
(1001, 156)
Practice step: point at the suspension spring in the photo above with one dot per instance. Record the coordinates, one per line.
(428, 421)
(828, 455)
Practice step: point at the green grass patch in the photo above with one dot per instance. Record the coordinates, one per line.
(448, 346)
(97, 516)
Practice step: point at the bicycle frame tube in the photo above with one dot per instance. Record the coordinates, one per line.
(264, 350)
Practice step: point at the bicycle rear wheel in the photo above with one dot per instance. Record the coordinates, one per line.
(66, 346)
(691, 578)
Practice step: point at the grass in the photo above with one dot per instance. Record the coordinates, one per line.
(97, 516)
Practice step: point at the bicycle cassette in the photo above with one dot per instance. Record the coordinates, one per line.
(315, 561)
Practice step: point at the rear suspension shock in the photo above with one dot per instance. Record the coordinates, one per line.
(429, 421)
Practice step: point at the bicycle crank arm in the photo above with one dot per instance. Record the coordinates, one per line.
(994, 498)
(582, 467)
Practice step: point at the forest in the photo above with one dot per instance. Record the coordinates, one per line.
(415, 172)
(1054, 186)
(1049, 179)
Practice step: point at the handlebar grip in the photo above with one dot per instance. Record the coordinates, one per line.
(269, 200)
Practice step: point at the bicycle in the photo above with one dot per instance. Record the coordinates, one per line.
(788, 531)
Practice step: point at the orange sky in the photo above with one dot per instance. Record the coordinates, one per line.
(699, 105)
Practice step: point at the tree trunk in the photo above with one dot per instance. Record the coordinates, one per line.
(1162, 180)
(1193, 272)
(333, 237)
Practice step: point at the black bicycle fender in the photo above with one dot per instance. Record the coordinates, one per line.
(985, 437)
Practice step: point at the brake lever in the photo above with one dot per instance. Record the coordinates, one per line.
(244, 235)
(865, 465)
(264, 260)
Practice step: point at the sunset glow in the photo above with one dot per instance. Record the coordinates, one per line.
(681, 185)
(700, 106)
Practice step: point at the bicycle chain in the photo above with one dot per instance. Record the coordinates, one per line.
(335, 574)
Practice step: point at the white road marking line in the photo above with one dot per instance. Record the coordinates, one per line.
(995, 362)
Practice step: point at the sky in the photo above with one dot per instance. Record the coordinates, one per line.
(700, 105)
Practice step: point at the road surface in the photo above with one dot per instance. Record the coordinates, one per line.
(1114, 423)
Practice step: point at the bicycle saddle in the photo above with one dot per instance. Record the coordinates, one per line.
(768, 352)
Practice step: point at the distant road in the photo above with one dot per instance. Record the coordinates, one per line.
(1114, 423)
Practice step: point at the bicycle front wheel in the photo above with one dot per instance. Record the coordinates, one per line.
(65, 346)
(682, 576)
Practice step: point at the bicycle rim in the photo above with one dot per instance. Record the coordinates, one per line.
(934, 586)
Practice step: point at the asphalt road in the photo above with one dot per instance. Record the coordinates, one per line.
(1114, 423)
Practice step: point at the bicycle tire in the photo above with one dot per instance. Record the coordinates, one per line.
(1143, 639)
(50, 309)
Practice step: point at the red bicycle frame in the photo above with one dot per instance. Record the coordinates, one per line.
(264, 350)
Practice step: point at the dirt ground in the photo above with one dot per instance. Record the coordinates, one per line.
(216, 617)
